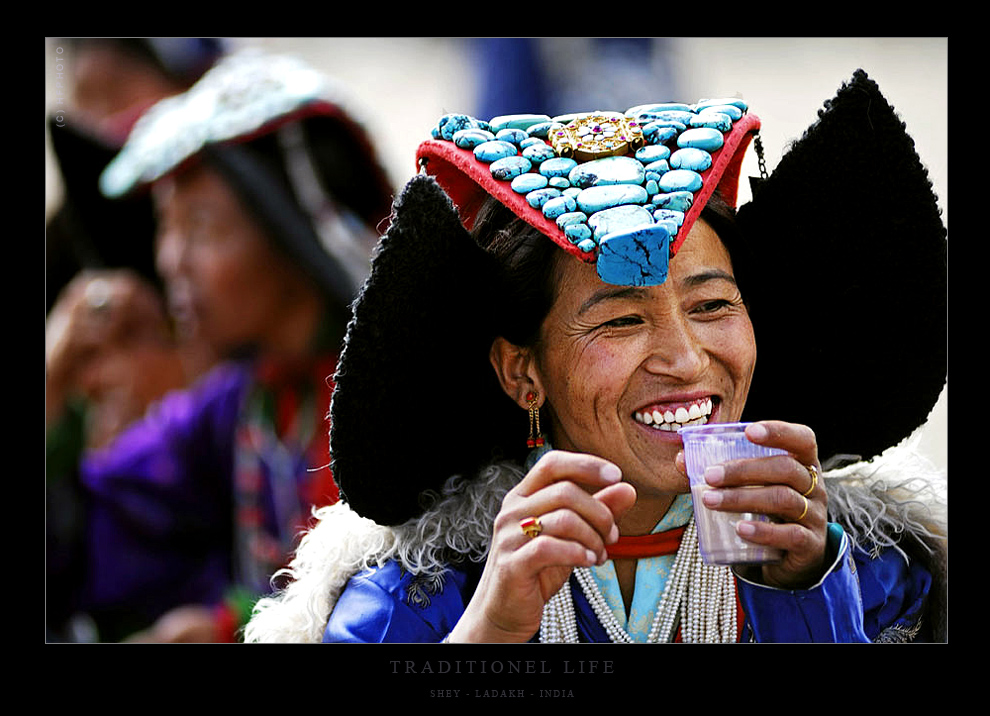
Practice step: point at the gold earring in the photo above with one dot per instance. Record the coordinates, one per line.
(535, 438)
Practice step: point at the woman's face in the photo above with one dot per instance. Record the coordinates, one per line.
(226, 285)
(611, 359)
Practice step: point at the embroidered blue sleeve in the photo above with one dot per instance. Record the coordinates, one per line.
(861, 598)
(387, 605)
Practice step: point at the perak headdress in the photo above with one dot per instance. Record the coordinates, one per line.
(416, 399)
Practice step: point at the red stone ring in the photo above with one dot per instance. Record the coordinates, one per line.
(531, 527)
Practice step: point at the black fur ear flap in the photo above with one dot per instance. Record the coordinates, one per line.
(414, 380)
(848, 296)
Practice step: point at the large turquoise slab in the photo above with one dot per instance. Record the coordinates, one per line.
(636, 258)
(608, 170)
(599, 198)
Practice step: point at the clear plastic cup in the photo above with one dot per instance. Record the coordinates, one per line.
(714, 444)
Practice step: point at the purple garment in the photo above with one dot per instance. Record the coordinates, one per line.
(159, 503)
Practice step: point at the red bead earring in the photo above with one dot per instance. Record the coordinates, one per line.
(535, 438)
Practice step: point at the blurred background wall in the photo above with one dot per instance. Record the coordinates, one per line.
(402, 85)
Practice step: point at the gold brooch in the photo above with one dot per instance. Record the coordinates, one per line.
(598, 135)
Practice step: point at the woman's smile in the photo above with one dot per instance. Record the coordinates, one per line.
(622, 369)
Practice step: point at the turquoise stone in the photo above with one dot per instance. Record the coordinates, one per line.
(558, 206)
(557, 167)
(636, 258)
(676, 201)
(540, 130)
(587, 246)
(598, 198)
(651, 186)
(729, 109)
(450, 123)
(539, 153)
(560, 183)
(471, 138)
(619, 219)
(508, 168)
(731, 101)
(530, 141)
(669, 115)
(671, 226)
(577, 232)
(572, 191)
(657, 107)
(680, 180)
(509, 134)
(668, 124)
(656, 134)
(525, 183)
(695, 159)
(516, 121)
(609, 170)
(701, 138)
(669, 215)
(571, 217)
(651, 153)
(659, 167)
(494, 150)
(715, 120)
(538, 198)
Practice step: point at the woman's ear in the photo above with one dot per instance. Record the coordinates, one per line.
(516, 370)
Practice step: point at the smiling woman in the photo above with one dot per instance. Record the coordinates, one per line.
(507, 287)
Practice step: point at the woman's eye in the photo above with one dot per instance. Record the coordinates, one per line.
(622, 322)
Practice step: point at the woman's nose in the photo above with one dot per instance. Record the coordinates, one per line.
(676, 351)
(169, 253)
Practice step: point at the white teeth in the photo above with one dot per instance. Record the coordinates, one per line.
(673, 420)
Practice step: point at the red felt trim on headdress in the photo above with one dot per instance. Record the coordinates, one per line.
(723, 173)
(468, 182)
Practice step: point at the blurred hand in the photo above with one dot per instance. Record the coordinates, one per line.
(191, 624)
(107, 339)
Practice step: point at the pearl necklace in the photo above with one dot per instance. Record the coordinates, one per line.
(701, 598)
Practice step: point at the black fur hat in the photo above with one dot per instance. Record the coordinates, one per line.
(849, 293)
(846, 281)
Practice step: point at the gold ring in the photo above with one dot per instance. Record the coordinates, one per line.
(813, 471)
(531, 527)
(805, 511)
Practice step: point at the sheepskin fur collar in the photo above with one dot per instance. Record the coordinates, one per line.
(894, 501)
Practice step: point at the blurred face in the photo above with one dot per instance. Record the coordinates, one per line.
(623, 367)
(226, 285)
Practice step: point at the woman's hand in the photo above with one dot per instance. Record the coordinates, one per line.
(107, 339)
(578, 499)
(784, 487)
